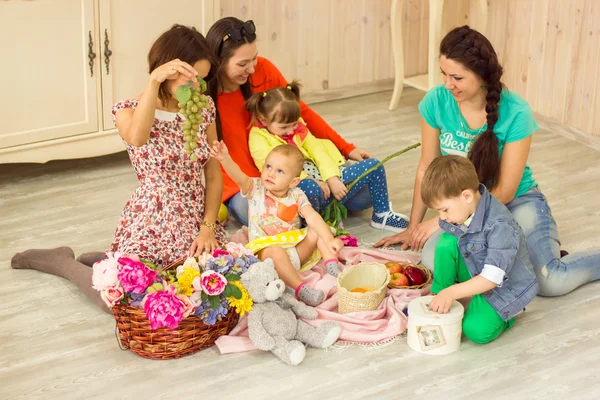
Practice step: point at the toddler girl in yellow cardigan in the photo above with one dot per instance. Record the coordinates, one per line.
(276, 120)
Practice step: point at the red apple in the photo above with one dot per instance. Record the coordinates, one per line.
(415, 276)
(394, 267)
(399, 279)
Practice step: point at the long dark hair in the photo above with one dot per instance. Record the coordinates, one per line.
(475, 52)
(184, 43)
(224, 50)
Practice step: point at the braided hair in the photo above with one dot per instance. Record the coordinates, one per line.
(475, 52)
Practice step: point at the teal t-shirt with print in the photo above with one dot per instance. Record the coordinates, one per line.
(439, 109)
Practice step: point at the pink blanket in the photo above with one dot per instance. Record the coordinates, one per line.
(359, 327)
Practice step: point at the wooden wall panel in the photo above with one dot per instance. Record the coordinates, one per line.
(383, 67)
(416, 36)
(345, 20)
(550, 49)
(313, 55)
(359, 42)
(328, 44)
(456, 13)
(423, 61)
(551, 56)
(591, 101)
(537, 46)
(519, 13)
(585, 72)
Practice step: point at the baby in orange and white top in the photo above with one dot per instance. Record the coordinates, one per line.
(275, 205)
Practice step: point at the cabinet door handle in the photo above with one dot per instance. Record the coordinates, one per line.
(107, 52)
(91, 54)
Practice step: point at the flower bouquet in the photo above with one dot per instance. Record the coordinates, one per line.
(180, 309)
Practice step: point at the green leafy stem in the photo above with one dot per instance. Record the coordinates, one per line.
(336, 212)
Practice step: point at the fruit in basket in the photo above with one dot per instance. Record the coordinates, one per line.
(362, 290)
(415, 276)
(394, 267)
(399, 279)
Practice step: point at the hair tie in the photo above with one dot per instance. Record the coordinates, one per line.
(288, 87)
(264, 94)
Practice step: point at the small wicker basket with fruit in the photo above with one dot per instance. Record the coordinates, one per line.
(362, 287)
(405, 275)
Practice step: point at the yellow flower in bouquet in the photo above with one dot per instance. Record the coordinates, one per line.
(242, 305)
(185, 280)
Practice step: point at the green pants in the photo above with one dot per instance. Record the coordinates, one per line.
(481, 323)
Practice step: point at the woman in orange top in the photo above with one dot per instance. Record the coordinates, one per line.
(240, 74)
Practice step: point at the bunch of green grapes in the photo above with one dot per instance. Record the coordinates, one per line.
(191, 103)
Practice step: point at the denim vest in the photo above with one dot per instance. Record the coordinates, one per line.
(494, 237)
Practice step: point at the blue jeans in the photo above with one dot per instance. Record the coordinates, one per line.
(358, 199)
(237, 206)
(370, 191)
(556, 276)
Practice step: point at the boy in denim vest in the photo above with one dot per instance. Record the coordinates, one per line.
(482, 248)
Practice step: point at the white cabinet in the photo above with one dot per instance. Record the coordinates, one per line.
(66, 62)
(49, 89)
(131, 26)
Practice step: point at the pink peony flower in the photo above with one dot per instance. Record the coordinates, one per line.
(213, 283)
(219, 252)
(349, 240)
(112, 295)
(135, 276)
(188, 304)
(164, 308)
(238, 250)
(105, 272)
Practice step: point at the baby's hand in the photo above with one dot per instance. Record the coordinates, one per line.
(338, 189)
(219, 150)
(324, 188)
(335, 245)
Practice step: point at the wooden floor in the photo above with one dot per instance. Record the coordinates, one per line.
(55, 344)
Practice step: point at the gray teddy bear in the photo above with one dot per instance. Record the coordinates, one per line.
(272, 322)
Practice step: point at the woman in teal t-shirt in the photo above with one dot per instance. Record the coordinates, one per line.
(473, 115)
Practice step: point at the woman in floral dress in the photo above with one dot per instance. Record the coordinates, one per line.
(173, 212)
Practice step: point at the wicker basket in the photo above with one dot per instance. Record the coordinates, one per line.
(192, 335)
(362, 275)
(422, 268)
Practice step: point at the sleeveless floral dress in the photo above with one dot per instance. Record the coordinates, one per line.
(162, 218)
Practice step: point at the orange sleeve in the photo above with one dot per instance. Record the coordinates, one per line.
(321, 129)
(315, 123)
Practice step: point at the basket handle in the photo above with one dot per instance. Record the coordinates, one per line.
(119, 339)
(174, 264)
